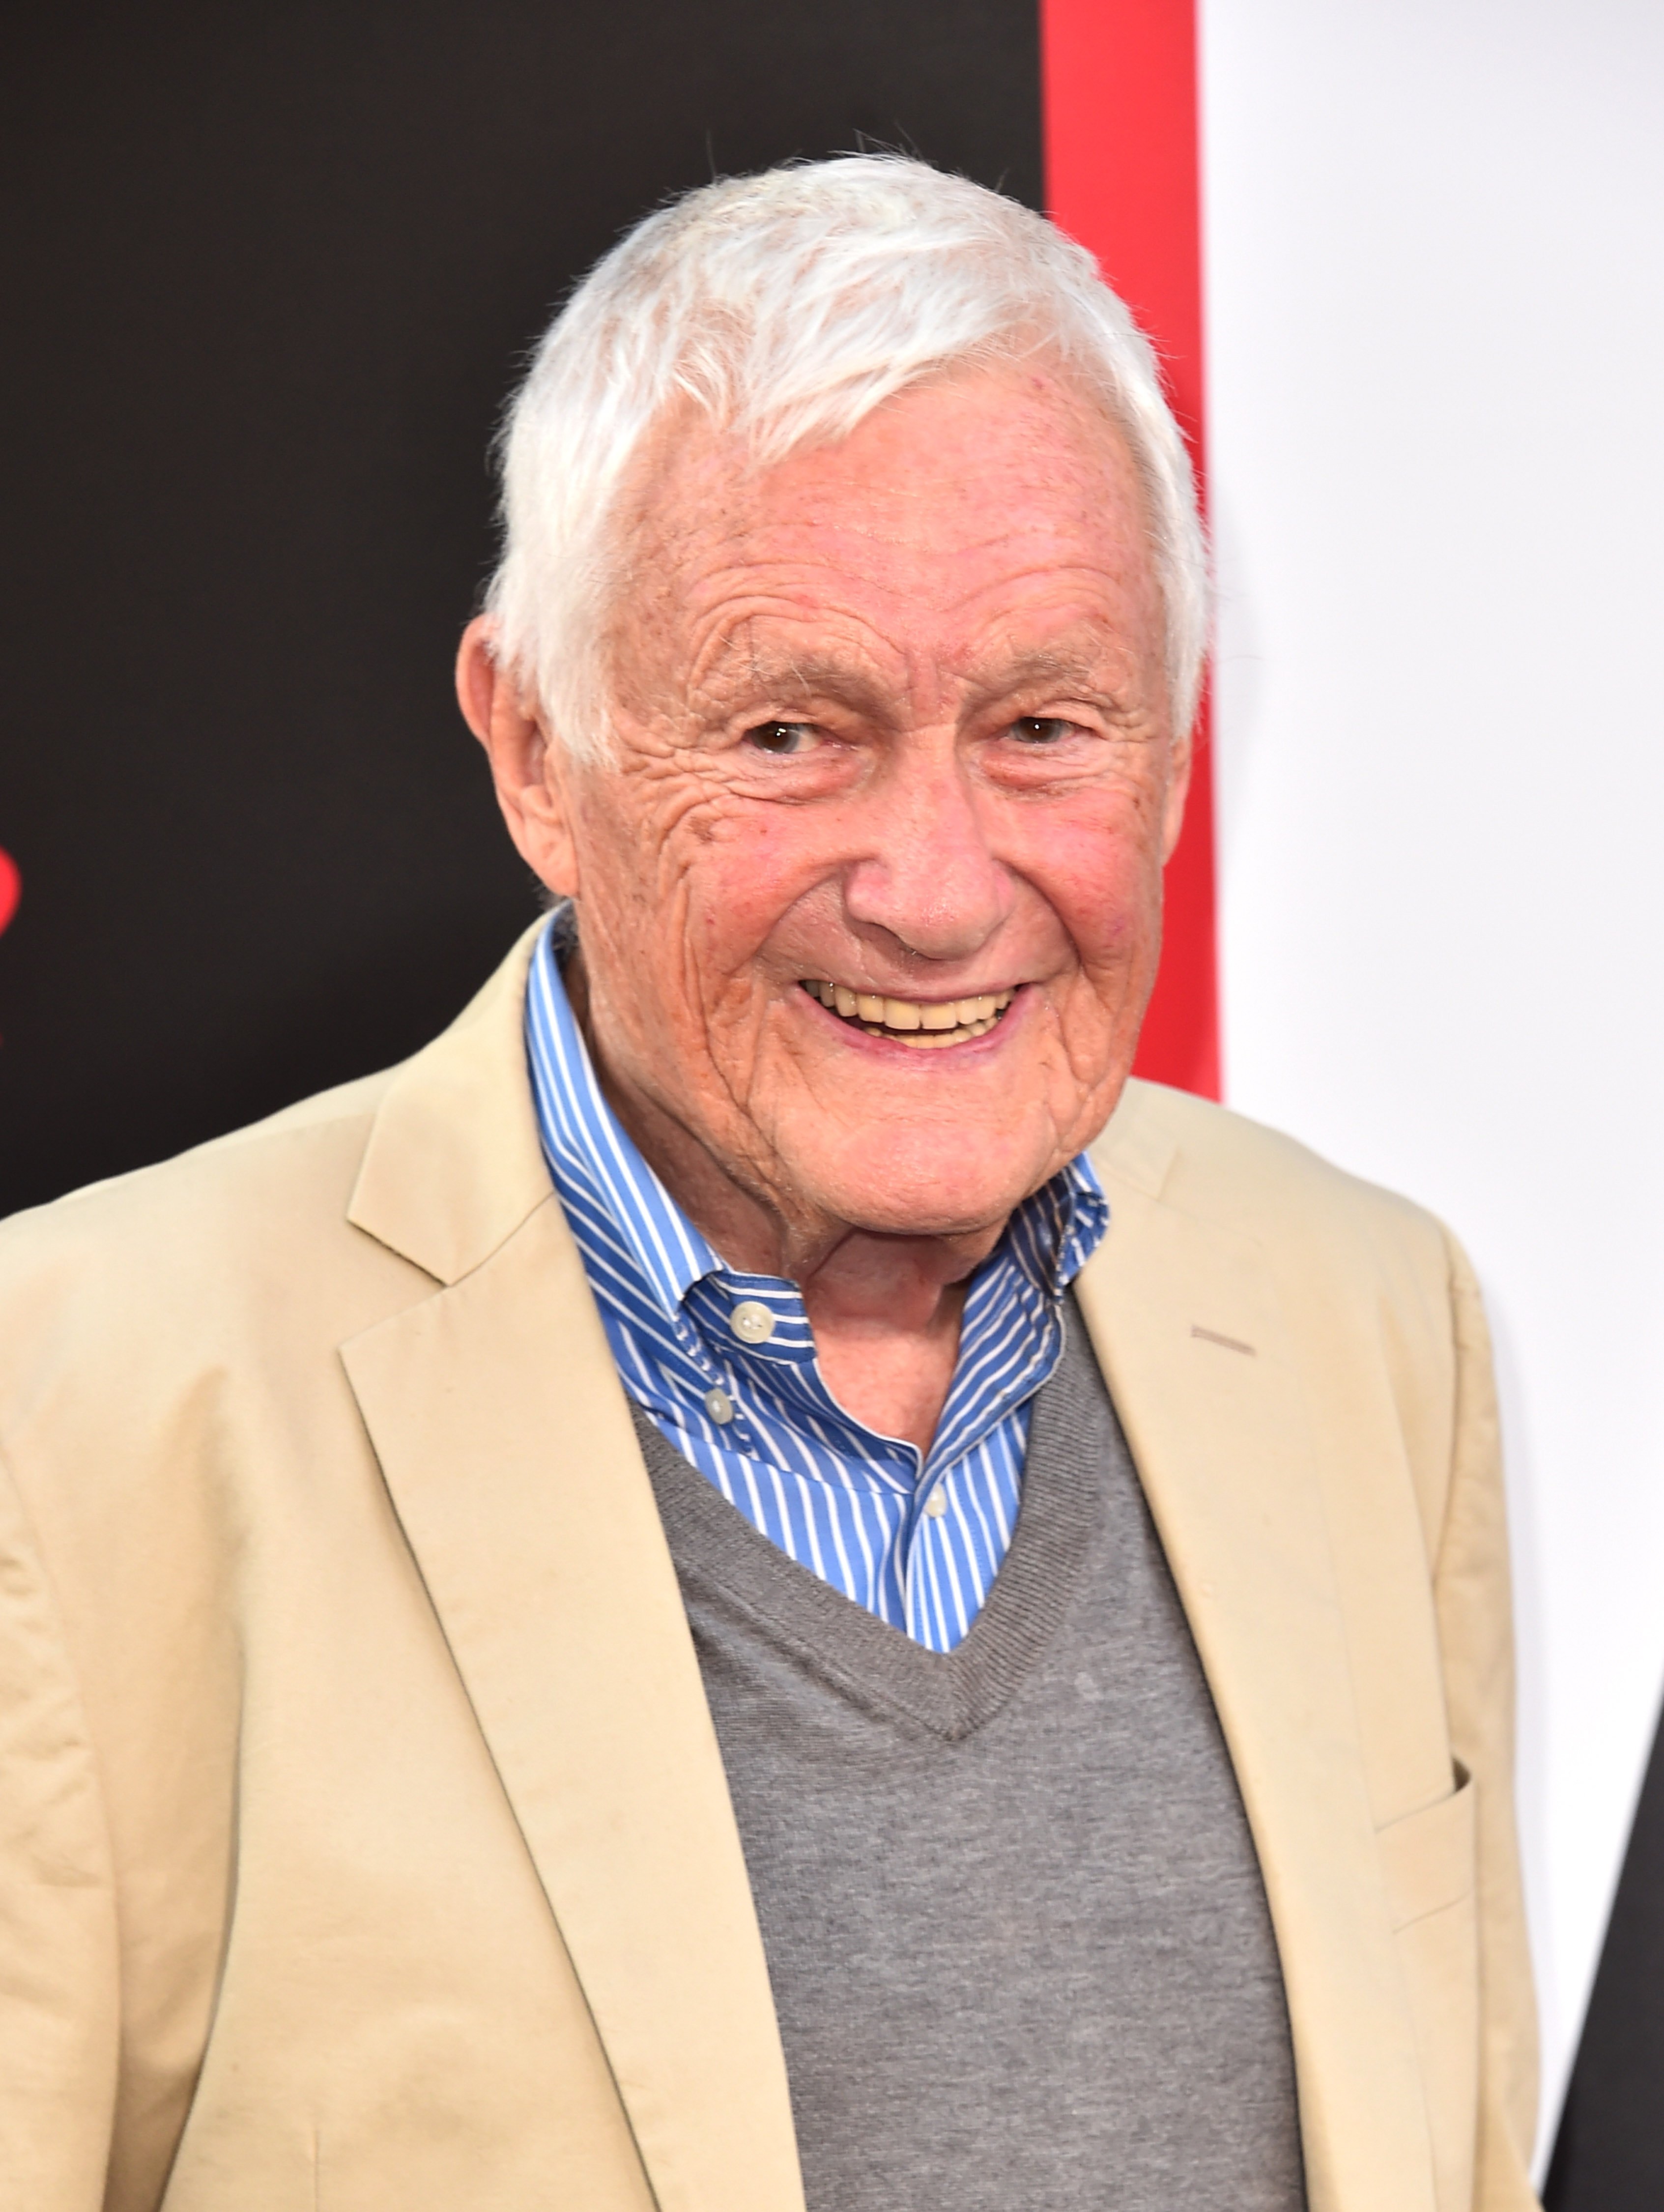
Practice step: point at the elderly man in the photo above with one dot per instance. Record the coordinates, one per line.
(756, 1580)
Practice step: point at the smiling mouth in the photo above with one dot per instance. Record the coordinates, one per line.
(912, 1022)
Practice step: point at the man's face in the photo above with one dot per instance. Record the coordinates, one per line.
(891, 731)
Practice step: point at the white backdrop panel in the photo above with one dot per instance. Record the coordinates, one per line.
(1433, 234)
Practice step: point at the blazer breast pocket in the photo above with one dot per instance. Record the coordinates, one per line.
(1429, 1867)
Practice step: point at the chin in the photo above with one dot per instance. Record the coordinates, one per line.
(901, 1189)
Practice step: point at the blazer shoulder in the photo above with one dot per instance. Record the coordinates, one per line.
(257, 1239)
(305, 1148)
(1257, 1182)
(196, 1262)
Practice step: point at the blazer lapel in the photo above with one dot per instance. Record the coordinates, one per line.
(1186, 1323)
(506, 1443)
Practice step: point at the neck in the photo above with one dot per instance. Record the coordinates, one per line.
(885, 1309)
(885, 1312)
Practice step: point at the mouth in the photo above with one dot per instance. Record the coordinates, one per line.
(926, 1026)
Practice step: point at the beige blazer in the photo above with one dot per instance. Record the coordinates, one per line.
(364, 1841)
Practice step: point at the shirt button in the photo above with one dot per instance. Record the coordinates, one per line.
(937, 1504)
(752, 1323)
(720, 1408)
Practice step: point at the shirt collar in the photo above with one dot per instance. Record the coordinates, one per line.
(592, 1158)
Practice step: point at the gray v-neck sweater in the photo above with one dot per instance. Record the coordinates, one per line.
(1015, 1925)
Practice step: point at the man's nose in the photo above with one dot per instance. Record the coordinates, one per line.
(930, 878)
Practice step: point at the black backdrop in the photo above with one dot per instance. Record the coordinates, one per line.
(268, 274)
(1609, 2156)
(266, 281)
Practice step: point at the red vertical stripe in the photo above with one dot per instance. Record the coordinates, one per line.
(1118, 109)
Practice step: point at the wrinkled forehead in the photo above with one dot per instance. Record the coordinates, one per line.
(965, 500)
(688, 470)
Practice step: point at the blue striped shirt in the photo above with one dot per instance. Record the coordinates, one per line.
(915, 1537)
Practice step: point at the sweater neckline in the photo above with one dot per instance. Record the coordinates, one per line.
(947, 1694)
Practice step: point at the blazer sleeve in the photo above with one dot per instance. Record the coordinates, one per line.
(58, 1973)
(1475, 1623)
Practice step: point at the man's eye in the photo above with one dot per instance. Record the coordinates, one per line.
(783, 737)
(1041, 729)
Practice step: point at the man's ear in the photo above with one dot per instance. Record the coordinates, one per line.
(527, 766)
(1178, 789)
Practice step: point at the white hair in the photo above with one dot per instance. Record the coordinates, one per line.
(788, 305)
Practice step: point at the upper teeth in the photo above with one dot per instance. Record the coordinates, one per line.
(953, 1018)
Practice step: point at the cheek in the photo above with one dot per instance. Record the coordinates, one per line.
(1104, 886)
(659, 861)
(745, 875)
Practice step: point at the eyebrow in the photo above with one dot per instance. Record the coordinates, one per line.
(1060, 665)
(1074, 672)
(794, 676)
(805, 677)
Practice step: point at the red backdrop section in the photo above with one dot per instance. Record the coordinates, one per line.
(1119, 111)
